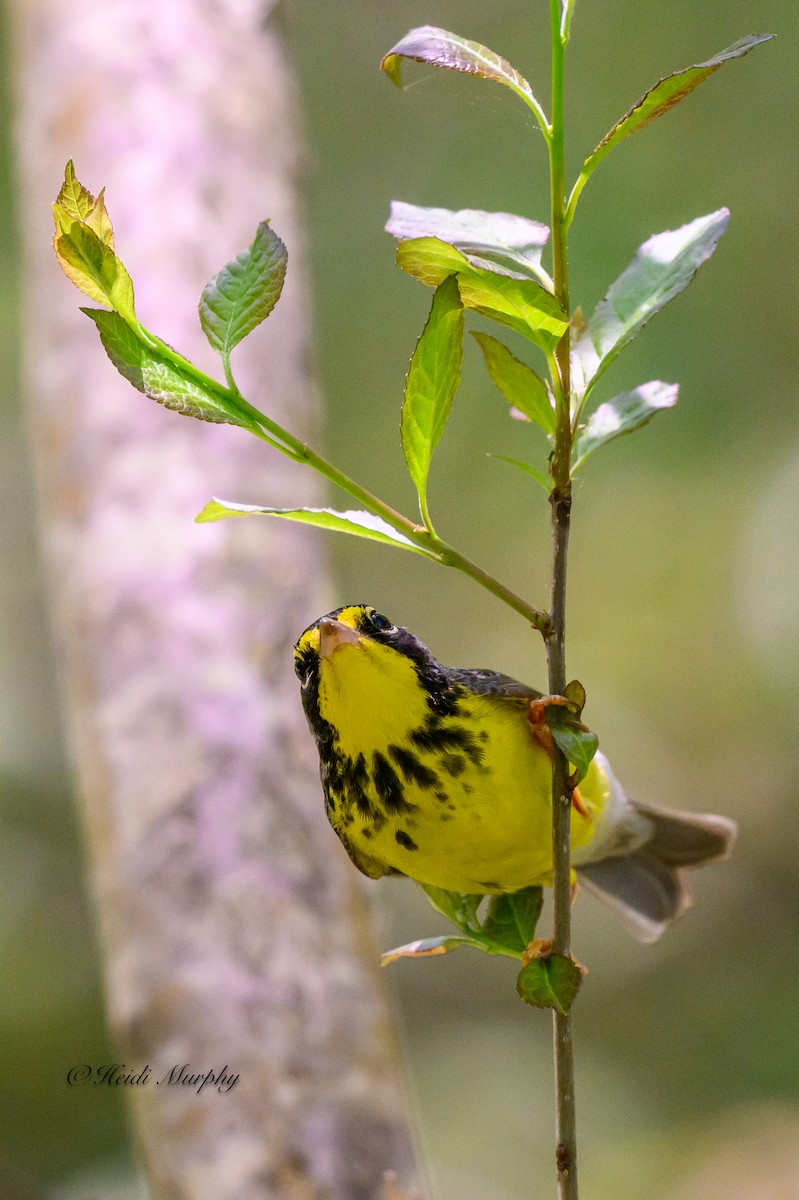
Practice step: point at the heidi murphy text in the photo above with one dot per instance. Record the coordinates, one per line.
(118, 1075)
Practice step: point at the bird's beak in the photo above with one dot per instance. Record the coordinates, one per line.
(333, 634)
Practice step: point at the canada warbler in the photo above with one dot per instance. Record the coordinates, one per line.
(443, 775)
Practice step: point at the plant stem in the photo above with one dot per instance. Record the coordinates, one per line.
(424, 538)
(560, 500)
(284, 441)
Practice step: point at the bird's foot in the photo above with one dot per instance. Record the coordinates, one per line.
(543, 948)
(537, 716)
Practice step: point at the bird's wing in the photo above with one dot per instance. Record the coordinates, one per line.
(483, 682)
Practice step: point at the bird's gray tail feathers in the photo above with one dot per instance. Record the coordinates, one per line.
(647, 888)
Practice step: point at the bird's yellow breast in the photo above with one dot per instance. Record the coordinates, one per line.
(459, 799)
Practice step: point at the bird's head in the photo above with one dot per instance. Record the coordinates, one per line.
(357, 670)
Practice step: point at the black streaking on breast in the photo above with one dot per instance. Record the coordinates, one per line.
(388, 786)
(435, 735)
(405, 840)
(412, 768)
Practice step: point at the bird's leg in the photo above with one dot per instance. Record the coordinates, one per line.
(539, 727)
(541, 733)
(537, 716)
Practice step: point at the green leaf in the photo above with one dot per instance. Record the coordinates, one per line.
(99, 221)
(156, 376)
(439, 48)
(460, 908)
(521, 304)
(577, 742)
(519, 384)
(496, 241)
(662, 268)
(539, 476)
(76, 203)
(574, 692)
(84, 246)
(511, 918)
(427, 948)
(550, 982)
(433, 379)
(244, 292)
(623, 414)
(361, 524)
(94, 268)
(665, 94)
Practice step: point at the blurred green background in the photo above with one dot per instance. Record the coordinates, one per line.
(683, 609)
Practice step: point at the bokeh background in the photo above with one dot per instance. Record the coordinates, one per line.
(683, 609)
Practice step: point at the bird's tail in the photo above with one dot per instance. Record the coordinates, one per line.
(647, 888)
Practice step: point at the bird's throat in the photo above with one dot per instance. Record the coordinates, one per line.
(370, 695)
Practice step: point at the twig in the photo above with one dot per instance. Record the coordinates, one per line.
(560, 499)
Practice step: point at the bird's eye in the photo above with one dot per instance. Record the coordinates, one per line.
(303, 664)
(378, 621)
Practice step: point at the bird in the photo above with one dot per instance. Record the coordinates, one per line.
(444, 775)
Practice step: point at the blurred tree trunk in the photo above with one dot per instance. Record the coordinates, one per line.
(234, 931)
